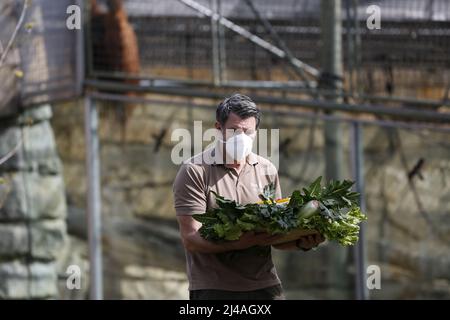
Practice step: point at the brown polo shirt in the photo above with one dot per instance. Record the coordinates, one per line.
(241, 270)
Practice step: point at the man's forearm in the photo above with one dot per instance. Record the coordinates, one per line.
(195, 243)
(287, 246)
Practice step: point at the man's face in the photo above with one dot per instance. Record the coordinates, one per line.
(235, 124)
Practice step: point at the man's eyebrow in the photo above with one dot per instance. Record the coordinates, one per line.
(240, 128)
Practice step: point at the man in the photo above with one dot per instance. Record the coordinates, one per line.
(241, 269)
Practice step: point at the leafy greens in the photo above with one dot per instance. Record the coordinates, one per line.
(331, 210)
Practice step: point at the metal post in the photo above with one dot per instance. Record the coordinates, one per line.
(350, 45)
(215, 44)
(79, 58)
(331, 30)
(88, 43)
(331, 34)
(357, 49)
(359, 250)
(222, 46)
(93, 199)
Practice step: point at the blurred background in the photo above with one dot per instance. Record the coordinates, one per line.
(86, 118)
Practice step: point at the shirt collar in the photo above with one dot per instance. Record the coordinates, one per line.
(252, 159)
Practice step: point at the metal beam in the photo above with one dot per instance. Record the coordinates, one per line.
(289, 56)
(289, 86)
(248, 35)
(285, 113)
(378, 110)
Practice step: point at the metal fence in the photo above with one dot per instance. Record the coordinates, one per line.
(266, 41)
(45, 63)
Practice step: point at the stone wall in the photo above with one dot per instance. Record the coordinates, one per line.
(32, 215)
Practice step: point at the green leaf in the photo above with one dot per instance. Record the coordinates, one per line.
(232, 232)
(245, 226)
(269, 191)
(264, 211)
(296, 199)
(250, 217)
(219, 229)
(203, 218)
(314, 188)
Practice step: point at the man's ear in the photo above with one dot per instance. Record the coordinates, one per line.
(217, 125)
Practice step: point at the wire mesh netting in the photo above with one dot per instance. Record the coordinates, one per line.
(41, 65)
(407, 57)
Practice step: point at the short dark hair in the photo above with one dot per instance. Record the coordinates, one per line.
(239, 104)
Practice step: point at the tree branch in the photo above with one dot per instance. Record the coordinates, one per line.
(4, 53)
(11, 152)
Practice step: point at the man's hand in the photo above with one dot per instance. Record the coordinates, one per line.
(305, 243)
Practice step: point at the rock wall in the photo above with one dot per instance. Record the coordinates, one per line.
(33, 210)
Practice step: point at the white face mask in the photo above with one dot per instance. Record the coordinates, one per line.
(239, 146)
